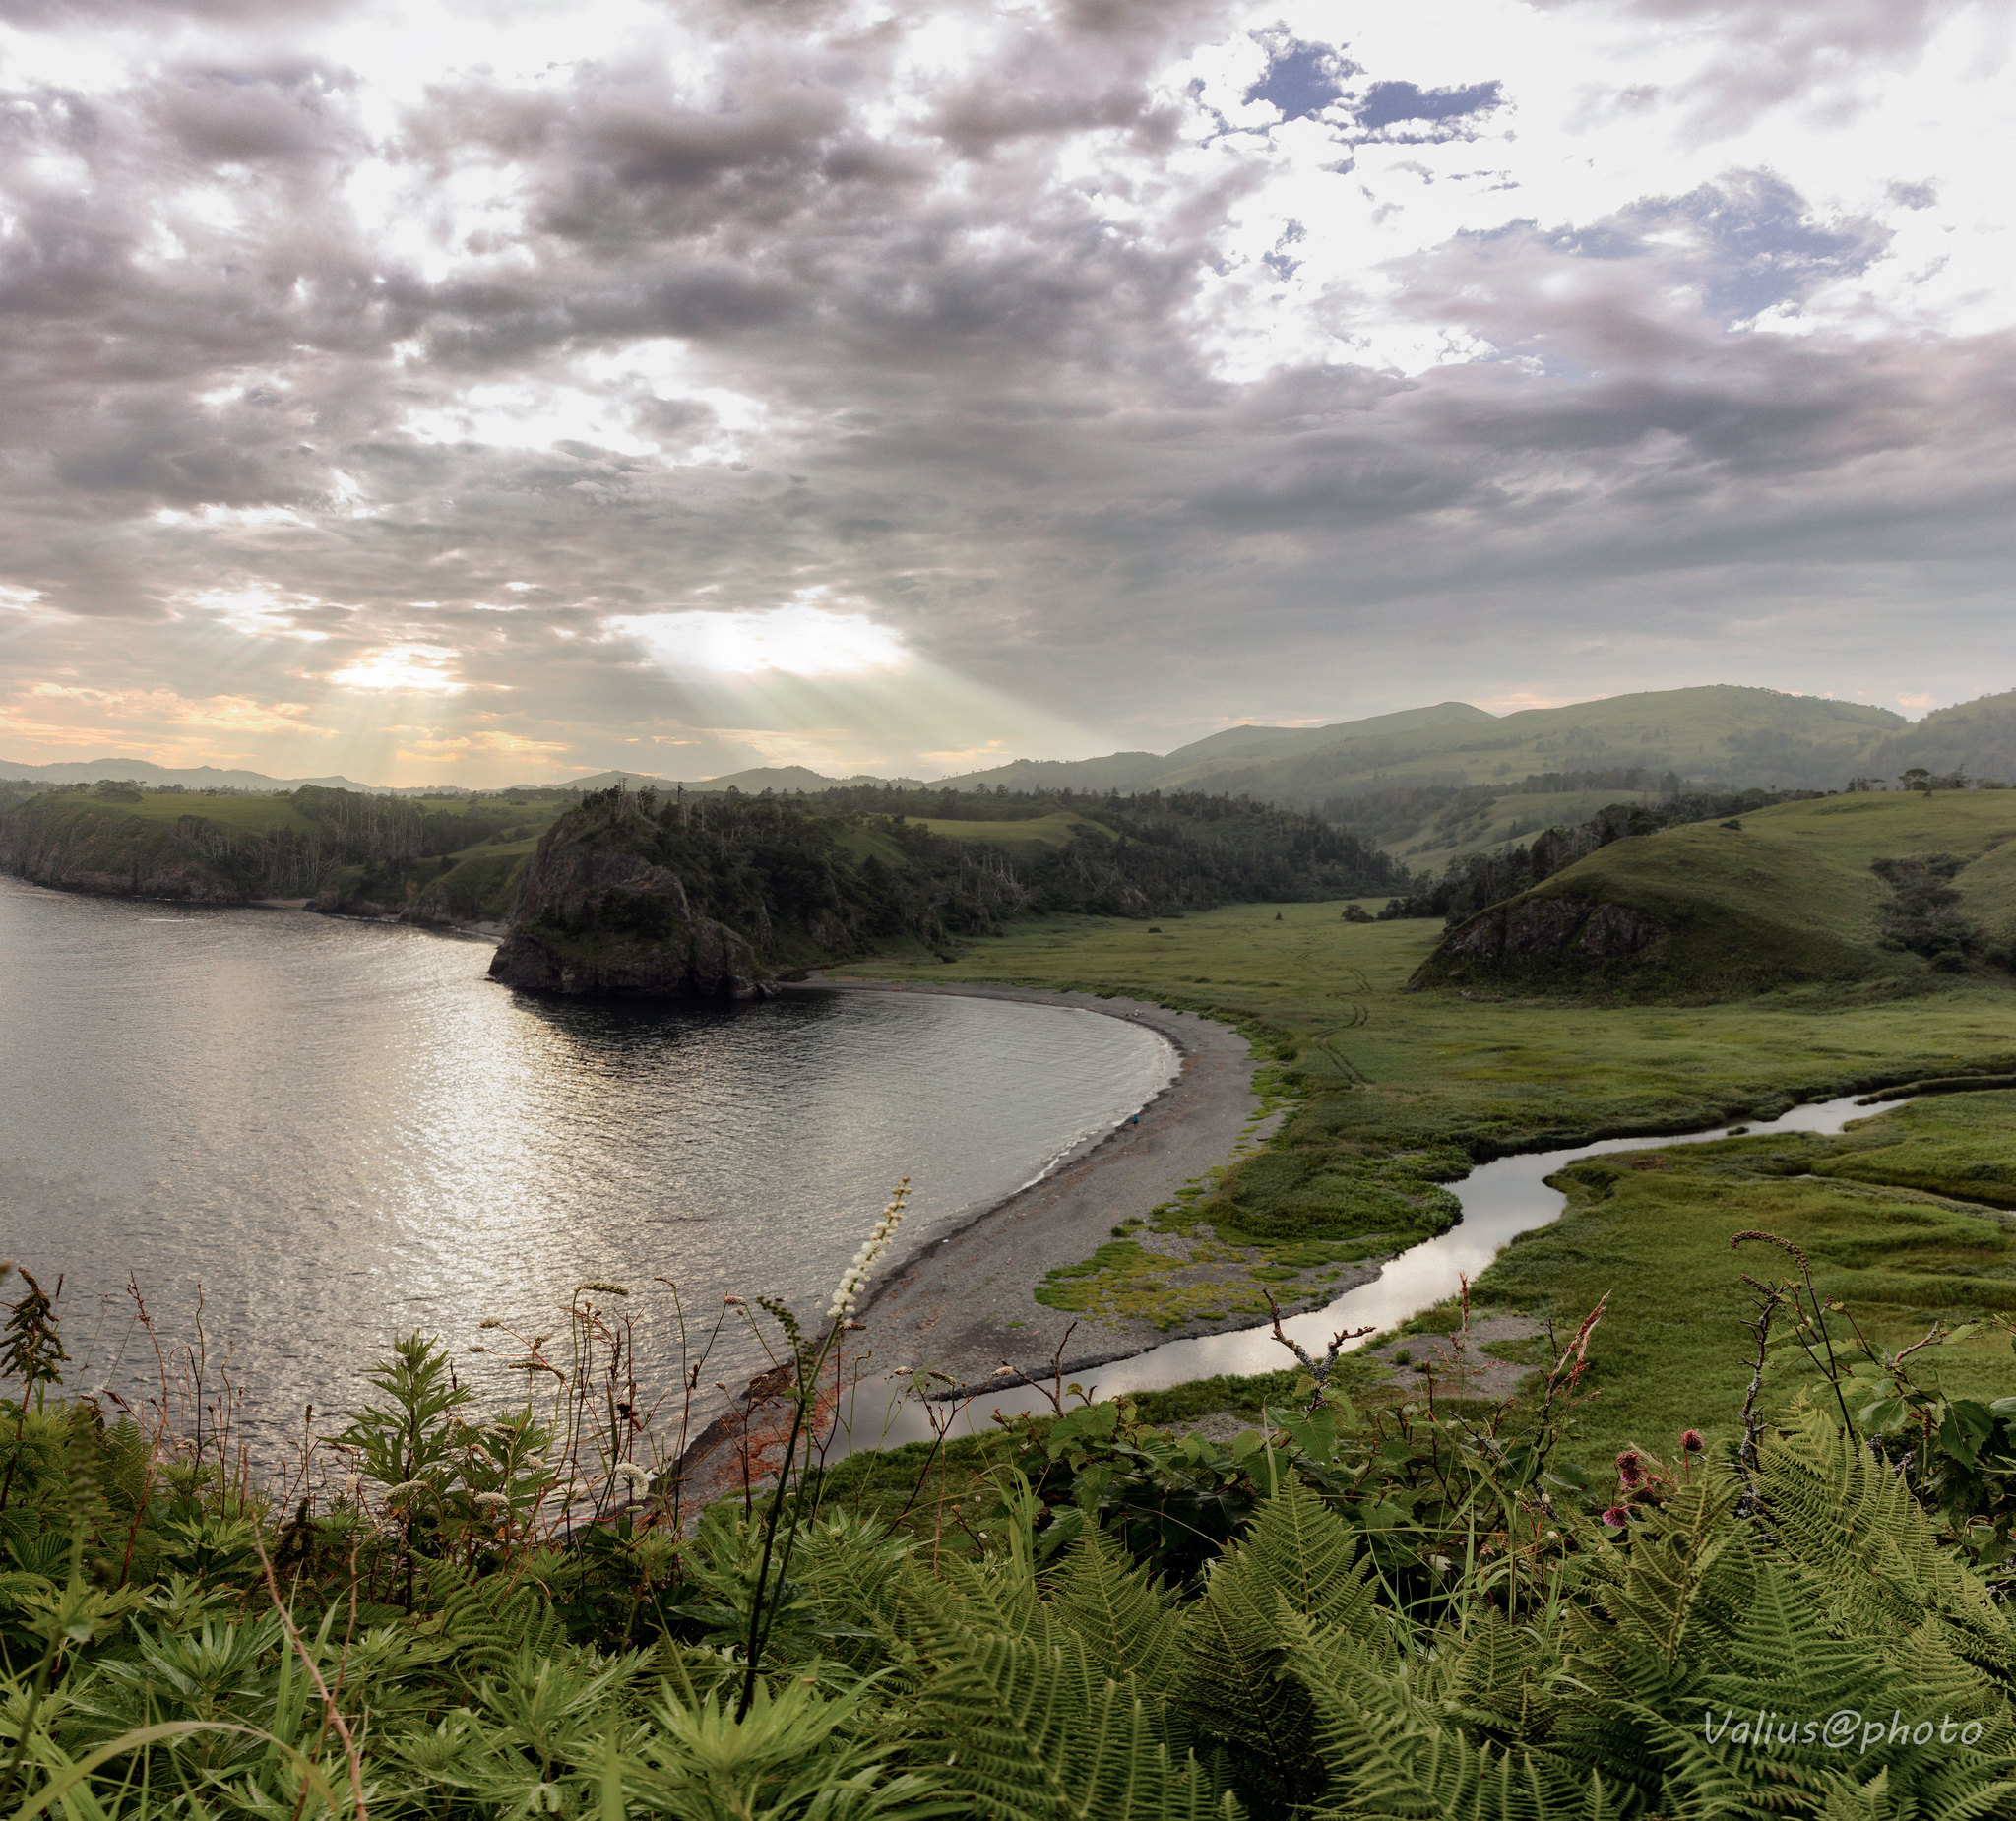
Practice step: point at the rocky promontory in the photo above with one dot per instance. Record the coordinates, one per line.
(596, 914)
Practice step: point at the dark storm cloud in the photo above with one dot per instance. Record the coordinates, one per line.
(988, 406)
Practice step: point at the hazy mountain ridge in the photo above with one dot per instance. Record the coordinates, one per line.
(193, 777)
(1715, 734)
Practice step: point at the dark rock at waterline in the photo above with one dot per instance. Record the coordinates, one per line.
(595, 917)
(428, 906)
(707, 960)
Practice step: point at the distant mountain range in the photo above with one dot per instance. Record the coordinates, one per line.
(1717, 734)
(191, 777)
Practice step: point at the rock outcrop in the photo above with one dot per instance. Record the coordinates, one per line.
(1551, 940)
(595, 917)
(1536, 926)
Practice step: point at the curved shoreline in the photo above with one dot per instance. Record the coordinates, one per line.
(962, 1302)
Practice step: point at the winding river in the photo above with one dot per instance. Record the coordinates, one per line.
(1501, 1200)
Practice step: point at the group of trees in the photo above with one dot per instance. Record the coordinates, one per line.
(836, 872)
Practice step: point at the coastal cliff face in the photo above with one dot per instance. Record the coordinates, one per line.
(596, 916)
(113, 855)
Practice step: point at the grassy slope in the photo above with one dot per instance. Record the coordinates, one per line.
(1788, 897)
(1388, 1074)
(1510, 821)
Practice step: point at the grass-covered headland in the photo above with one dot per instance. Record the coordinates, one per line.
(1738, 1546)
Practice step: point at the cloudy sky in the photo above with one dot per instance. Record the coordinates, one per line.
(484, 390)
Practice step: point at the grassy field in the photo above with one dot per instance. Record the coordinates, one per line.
(254, 814)
(1651, 1230)
(1051, 831)
(1391, 1084)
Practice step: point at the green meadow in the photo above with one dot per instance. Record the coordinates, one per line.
(1394, 1091)
(1051, 831)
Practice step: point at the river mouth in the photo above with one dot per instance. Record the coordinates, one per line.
(1501, 1200)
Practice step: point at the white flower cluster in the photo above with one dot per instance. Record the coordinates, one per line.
(634, 1477)
(848, 1291)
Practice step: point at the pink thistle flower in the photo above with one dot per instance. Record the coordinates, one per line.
(1616, 1517)
(1690, 1440)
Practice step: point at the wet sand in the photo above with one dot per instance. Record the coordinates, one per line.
(962, 1304)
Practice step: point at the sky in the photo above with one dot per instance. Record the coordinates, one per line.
(493, 391)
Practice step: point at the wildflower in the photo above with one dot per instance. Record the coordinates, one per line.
(1630, 1470)
(477, 1348)
(489, 1321)
(407, 1485)
(734, 1302)
(1691, 1443)
(1003, 1370)
(634, 1477)
(1616, 1517)
(847, 1291)
(494, 1500)
(606, 1289)
(352, 1487)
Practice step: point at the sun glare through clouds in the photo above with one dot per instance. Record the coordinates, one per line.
(795, 641)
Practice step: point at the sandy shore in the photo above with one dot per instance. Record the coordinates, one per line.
(961, 1304)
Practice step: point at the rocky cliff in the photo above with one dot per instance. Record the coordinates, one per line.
(105, 851)
(595, 914)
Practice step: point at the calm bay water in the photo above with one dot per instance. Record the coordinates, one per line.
(338, 1128)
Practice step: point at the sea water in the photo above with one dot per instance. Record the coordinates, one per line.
(332, 1130)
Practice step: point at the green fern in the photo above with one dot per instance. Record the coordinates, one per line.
(1298, 1561)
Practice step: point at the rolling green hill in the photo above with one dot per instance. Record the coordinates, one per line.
(1869, 890)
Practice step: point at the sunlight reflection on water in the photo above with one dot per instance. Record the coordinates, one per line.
(341, 1128)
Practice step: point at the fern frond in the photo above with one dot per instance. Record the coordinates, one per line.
(1858, 1536)
(488, 1624)
(1034, 1733)
(1390, 1753)
(1298, 1561)
(1129, 1624)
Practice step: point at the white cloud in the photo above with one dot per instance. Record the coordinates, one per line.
(800, 640)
